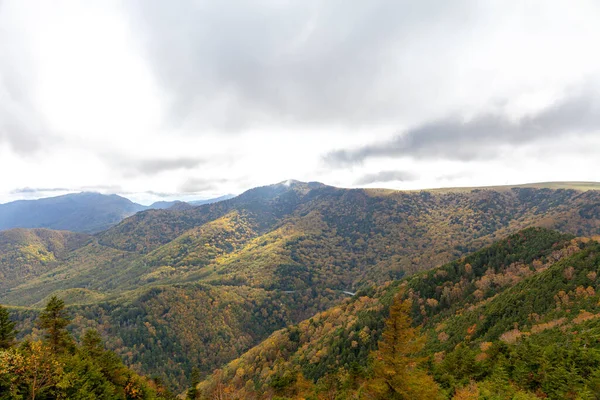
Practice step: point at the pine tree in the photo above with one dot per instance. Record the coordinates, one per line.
(396, 375)
(54, 320)
(7, 329)
(192, 392)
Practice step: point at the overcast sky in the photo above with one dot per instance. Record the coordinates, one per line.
(158, 99)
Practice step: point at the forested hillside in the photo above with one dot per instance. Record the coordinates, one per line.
(56, 366)
(184, 287)
(518, 319)
(28, 253)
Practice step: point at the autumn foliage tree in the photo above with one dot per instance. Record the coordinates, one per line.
(58, 368)
(396, 372)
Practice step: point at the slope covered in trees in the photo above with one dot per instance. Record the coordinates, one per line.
(323, 236)
(519, 318)
(277, 254)
(57, 367)
(28, 253)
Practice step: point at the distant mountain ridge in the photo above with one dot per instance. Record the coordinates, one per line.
(81, 212)
(211, 281)
(85, 212)
(210, 201)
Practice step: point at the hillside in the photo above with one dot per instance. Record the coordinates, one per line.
(280, 253)
(57, 366)
(81, 212)
(28, 253)
(511, 319)
(581, 186)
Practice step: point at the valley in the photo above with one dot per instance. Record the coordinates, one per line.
(201, 286)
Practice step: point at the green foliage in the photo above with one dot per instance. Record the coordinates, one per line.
(7, 329)
(40, 370)
(54, 320)
(29, 253)
(533, 332)
(173, 289)
(192, 392)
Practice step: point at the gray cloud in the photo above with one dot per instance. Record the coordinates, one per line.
(160, 194)
(239, 64)
(21, 127)
(386, 176)
(196, 185)
(100, 188)
(28, 190)
(479, 137)
(153, 166)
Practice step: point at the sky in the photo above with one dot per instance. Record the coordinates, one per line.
(158, 100)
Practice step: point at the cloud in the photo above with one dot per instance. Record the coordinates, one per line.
(386, 176)
(196, 185)
(20, 125)
(238, 64)
(28, 190)
(154, 166)
(455, 138)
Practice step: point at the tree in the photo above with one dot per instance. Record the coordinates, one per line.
(54, 320)
(396, 375)
(7, 329)
(92, 343)
(192, 392)
(41, 369)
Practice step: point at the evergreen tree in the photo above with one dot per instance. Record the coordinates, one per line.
(54, 320)
(7, 329)
(192, 392)
(92, 343)
(395, 365)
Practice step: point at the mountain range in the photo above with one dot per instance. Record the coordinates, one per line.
(200, 286)
(85, 212)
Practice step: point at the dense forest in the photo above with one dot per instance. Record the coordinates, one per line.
(516, 320)
(184, 288)
(57, 367)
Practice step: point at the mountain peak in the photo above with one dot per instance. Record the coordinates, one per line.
(294, 183)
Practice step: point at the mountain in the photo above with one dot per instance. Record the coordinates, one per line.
(177, 288)
(184, 205)
(28, 253)
(84, 212)
(80, 212)
(518, 319)
(213, 200)
(161, 205)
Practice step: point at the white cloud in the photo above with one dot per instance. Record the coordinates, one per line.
(153, 96)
